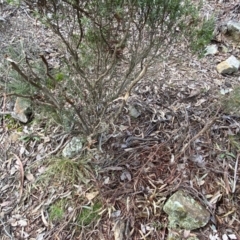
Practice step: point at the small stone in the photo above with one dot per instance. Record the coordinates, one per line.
(73, 148)
(228, 66)
(22, 110)
(133, 112)
(211, 49)
(225, 49)
(233, 28)
(184, 212)
(2, 19)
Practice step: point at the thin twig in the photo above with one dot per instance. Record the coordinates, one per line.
(235, 174)
(5, 230)
(5, 113)
(81, 118)
(206, 127)
(55, 150)
(21, 176)
(127, 94)
(17, 95)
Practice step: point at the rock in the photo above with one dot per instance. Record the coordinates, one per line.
(224, 49)
(73, 147)
(184, 212)
(2, 20)
(211, 49)
(233, 29)
(22, 110)
(230, 29)
(133, 112)
(228, 66)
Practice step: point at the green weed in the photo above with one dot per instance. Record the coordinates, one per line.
(89, 214)
(56, 211)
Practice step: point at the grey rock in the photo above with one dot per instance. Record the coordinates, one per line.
(133, 112)
(22, 110)
(184, 212)
(73, 147)
(211, 50)
(233, 29)
(229, 66)
(2, 20)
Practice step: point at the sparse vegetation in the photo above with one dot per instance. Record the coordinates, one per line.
(89, 214)
(231, 102)
(66, 171)
(108, 47)
(56, 211)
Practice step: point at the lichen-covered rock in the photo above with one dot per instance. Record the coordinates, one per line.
(228, 66)
(230, 30)
(184, 212)
(73, 147)
(22, 110)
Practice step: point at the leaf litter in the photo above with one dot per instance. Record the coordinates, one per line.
(181, 138)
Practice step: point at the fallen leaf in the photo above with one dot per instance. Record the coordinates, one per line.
(106, 181)
(6, 203)
(22, 223)
(40, 236)
(199, 102)
(116, 214)
(232, 236)
(186, 233)
(126, 175)
(30, 177)
(224, 237)
(91, 195)
(143, 229)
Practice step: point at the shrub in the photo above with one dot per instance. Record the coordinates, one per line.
(108, 47)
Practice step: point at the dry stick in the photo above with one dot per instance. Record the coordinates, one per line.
(83, 122)
(235, 174)
(15, 94)
(35, 84)
(55, 150)
(21, 170)
(127, 94)
(21, 175)
(47, 68)
(5, 230)
(114, 56)
(5, 113)
(206, 127)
